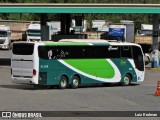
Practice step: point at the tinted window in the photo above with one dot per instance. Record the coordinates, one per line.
(126, 51)
(88, 52)
(77, 52)
(107, 52)
(23, 49)
(113, 52)
(43, 52)
(60, 52)
(101, 51)
(56, 52)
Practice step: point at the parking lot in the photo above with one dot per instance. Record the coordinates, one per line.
(137, 97)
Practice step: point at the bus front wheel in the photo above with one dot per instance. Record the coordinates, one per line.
(63, 82)
(75, 82)
(126, 80)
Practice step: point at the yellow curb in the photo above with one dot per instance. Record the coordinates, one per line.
(155, 68)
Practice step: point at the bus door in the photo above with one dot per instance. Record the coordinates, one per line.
(126, 55)
(138, 58)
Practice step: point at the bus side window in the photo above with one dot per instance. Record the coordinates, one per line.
(101, 52)
(88, 52)
(76, 52)
(56, 53)
(43, 52)
(113, 52)
(60, 52)
(52, 53)
(107, 52)
(126, 51)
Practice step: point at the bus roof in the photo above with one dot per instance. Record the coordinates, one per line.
(97, 41)
(83, 42)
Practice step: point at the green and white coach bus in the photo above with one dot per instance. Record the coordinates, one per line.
(74, 62)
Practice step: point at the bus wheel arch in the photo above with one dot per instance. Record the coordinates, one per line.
(75, 81)
(63, 82)
(127, 79)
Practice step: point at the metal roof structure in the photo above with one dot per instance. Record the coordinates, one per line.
(78, 8)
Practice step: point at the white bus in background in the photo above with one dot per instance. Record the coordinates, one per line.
(146, 29)
(82, 28)
(34, 32)
(100, 25)
(5, 37)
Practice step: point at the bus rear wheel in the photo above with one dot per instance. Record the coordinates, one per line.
(75, 82)
(126, 80)
(63, 82)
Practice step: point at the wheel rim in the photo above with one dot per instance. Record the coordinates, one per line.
(126, 80)
(63, 83)
(75, 82)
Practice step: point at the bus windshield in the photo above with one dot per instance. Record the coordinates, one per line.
(34, 32)
(3, 33)
(138, 58)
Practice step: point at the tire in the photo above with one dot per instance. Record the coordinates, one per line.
(126, 80)
(75, 82)
(63, 82)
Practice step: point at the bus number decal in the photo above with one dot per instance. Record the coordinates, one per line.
(44, 66)
(123, 62)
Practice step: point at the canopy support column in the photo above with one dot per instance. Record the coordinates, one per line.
(44, 27)
(155, 45)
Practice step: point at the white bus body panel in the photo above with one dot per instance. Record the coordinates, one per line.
(22, 68)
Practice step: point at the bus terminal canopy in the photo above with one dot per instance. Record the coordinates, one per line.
(79, 8)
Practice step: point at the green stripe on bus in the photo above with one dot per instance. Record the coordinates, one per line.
(64, 44)
(96, 67)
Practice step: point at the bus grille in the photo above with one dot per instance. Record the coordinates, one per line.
(2, 41)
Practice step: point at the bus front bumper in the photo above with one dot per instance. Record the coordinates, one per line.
(4, 46)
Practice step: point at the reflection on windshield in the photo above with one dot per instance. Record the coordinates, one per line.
(34, 32)
(3, 34)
